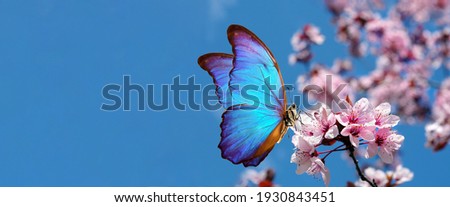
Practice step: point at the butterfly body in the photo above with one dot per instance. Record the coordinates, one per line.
(250, 87)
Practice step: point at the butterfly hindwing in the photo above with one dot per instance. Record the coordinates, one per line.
(244, 130)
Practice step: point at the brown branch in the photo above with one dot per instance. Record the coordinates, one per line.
(351, 150)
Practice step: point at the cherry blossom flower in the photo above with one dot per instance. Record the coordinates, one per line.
(320, 124)
(301, 43)
(372, 174)
(306, 159)
(396, 42)
(327, 123)
(310, 129)
(438, 131)
(361, 113)
(312, 34)
(386, 142)
(358, 121)
(401, 175)
(356, 131)
(407, 92)
(317, 167)
(437, 134)
(383, 117)
(441, 107)
(421, 10)
(386, 179)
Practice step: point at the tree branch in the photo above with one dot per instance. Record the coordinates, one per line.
(351, 150)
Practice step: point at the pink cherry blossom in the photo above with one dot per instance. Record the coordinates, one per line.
(438, 131)
(383, 117)
(312, 34)
(317, 167)
(421, 10)
(372, 174)
(386, 179)
(386, 142)
(396, 41)
(406, 92)
(441, 107)
(355, 131)
(377, 28)
(320, 124)
(402, 175)
(301, 42)
(358, 121)
(310, 129)
(306, 159)
(327, 123)
(437, 134)
(303, 154)
(360, 114)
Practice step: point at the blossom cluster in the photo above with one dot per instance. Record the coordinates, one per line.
(408, 47)
(385, 179)
(354, 125)
(301, 43)
(409, 41)
(438, 131)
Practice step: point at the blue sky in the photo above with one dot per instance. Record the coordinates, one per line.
(56, 56)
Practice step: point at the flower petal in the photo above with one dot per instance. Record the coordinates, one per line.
(332, 132)
(392, 120)
(354, 140)
(342, 119)
(386, 156)
(367, 134)
(372, 149)
(346, 131)
(383, 109)
(303, 167)
(331, 119)
(305, 146)
(361, 105)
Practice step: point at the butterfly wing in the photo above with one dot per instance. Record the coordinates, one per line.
(254, 65)
(219, 65)
(249, 134)
(252, 128)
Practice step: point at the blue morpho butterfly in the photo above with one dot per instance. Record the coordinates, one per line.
(250, 87)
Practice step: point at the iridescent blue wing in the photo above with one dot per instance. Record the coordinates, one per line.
(249, 134)
(254, 67)
(251, 128)
(219, 65)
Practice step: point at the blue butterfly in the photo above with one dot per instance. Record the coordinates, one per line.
(250, 87)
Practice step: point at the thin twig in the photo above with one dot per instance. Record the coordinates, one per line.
(334, 150)
(360, 173)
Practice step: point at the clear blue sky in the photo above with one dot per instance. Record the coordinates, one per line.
(55, 57)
